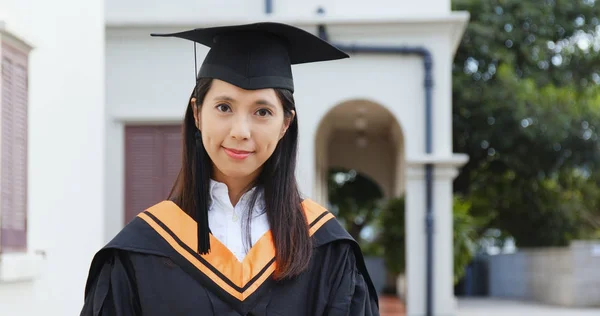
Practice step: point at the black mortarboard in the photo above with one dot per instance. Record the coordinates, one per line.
(250, 56)
(259, 55)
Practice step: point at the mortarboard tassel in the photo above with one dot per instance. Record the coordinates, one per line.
(201, 208)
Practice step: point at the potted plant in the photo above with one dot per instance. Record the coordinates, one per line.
(393, 239)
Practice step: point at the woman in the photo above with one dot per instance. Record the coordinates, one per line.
(235, 237)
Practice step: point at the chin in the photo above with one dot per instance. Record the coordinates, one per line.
(237, 172)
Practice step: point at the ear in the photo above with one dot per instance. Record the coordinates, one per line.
(196, 112)
(286, 124)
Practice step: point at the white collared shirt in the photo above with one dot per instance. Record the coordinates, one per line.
(227, 223)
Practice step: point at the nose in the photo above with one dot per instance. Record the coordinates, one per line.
(240, 129)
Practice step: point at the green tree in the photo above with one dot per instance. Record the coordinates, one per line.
(527, 111)
(354, 199)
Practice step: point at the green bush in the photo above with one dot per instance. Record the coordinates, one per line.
(465, 227)
(393, 235)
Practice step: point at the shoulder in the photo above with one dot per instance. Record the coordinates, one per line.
(147, 232)
(138, 236)
(324, 227)
(312, 209)
(316, 215)
(330, 237)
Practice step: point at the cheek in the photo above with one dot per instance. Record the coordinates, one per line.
(268, 138)
(212, 134)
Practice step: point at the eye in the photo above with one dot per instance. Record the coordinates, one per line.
(223, 107)
(264, 112)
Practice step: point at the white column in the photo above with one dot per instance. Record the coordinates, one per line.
(415, 241)
(65, 150)
(445, 170)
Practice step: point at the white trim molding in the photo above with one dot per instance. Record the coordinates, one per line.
(20, 267)
(446, 18)
(443, 166)
(455, 160)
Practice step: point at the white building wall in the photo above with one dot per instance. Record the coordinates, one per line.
(178, 11)
(66, 151)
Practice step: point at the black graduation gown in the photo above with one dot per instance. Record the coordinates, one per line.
(150, 268)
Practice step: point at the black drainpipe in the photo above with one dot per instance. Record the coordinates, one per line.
(427, 63)
(268, 6)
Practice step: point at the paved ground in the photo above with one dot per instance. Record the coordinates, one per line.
(498, 307)
(391, 306)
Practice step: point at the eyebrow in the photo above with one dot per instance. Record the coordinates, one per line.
(259, 102)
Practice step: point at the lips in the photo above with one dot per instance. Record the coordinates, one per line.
(237, 154)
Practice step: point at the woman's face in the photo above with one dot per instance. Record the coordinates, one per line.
(240, 129)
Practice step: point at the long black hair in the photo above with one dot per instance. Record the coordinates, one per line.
(288, 224)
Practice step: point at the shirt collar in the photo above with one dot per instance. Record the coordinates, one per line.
(219, 194)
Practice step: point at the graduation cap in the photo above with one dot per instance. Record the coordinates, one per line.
(259, 55)
(251, 56)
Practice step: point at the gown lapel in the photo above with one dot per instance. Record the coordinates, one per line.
(239, 284)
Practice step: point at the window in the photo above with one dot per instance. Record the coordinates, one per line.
(13, 146)
(152, 162)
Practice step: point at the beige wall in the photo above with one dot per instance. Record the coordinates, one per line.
(375, 161)
(567, 276)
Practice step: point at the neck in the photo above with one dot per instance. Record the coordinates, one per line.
(236, 186)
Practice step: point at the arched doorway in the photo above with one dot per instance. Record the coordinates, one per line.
(363, 140)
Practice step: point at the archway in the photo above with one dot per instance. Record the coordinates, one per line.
(363, 138)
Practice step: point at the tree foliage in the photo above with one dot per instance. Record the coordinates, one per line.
(354, 199)
(527, 111)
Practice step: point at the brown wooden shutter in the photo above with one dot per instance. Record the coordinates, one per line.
(152, 161)
(13, 185)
